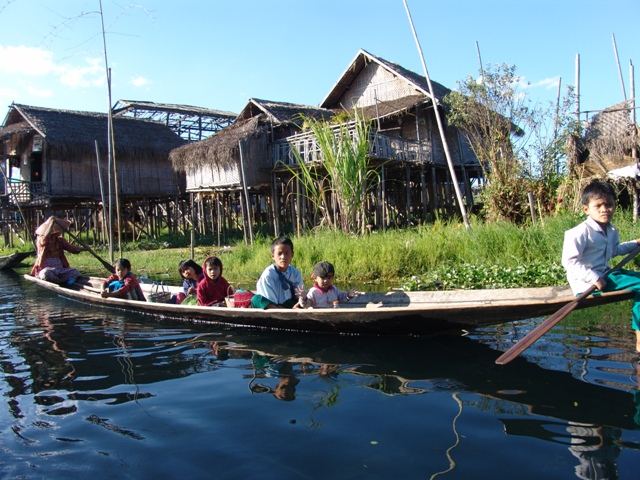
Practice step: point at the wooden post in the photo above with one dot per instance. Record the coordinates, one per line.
(408, 193)
(424, 194)
(532, 207)
(245, 189)
(275, 204)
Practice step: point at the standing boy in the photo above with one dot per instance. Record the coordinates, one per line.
(590, 246)
(279, 282)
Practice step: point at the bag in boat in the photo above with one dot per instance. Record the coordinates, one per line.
(190, 300)
(159, 293)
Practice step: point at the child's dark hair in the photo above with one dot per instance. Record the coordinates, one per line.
(213, 261)
(184, 264)
(597, 189)
(281, 241)
(124, 263)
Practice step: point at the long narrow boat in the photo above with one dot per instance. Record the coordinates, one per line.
(14, 259)
(386, 313)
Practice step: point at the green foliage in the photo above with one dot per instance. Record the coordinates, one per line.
(520, 145)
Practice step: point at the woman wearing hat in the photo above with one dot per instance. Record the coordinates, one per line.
(51, 264)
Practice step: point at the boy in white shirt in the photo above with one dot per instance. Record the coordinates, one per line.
(590, 246)
(278, 285)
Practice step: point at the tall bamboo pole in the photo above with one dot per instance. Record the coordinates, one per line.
(615, 51)
(111, 160)
(454, 178)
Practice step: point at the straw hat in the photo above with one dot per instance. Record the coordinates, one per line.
(52, 225)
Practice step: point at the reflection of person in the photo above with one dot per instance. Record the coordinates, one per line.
(285, 389)
(51, 263)
(589, 247)
(594, 447)
(276, 287)
(123, 283)
(213, 287)
(324, 294)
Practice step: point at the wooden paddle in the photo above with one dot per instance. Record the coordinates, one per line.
(526, 341)
(106, 264)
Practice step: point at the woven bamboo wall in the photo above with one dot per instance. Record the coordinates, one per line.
(375, 82)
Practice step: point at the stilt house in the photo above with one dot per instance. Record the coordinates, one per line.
(56, 161)
(405, 146)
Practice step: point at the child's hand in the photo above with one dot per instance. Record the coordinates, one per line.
(302, 296)
(105, 293)
(353, 293)
(600, 284)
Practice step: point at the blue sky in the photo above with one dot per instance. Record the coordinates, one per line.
(218, 54)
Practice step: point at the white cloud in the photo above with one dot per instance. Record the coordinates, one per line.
(88, 76)
(139, 81)
(27, 60)
(19, 61)
(39, 92)
(547, 83)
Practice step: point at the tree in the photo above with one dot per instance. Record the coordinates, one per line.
(510, 138)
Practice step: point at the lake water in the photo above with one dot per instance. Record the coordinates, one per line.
(96, 393)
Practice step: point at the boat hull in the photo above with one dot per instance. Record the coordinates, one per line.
(380, 313)
(14, 259)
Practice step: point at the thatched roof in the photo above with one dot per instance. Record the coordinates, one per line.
(219, 149)
(360, 61)
(282, 112)
(610, 132)
(74, 133)
(607, 142)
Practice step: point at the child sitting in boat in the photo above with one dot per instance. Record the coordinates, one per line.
(278, 284)
(324, 294)
(122, 284)
(191, 274)
(213, 288)
(589, 247)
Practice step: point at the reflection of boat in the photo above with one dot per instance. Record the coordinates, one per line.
(452, 364)
(14, 259)
(373, 312)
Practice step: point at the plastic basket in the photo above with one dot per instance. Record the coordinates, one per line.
(159, 293)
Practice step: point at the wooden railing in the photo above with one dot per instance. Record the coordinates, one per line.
(380, 146)
(27, 193)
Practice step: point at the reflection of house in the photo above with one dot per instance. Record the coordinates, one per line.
(51, 163)
(405, 146)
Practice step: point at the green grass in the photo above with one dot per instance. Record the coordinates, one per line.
(445, 255)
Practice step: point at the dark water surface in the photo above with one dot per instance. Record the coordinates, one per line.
(95, 393)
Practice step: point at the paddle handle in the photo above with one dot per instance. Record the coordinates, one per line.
(526, 341)
(106, 264)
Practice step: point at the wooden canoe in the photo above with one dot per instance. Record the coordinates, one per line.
(386, 313)
(14, 259)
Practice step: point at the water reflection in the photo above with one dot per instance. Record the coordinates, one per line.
(79, 379)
